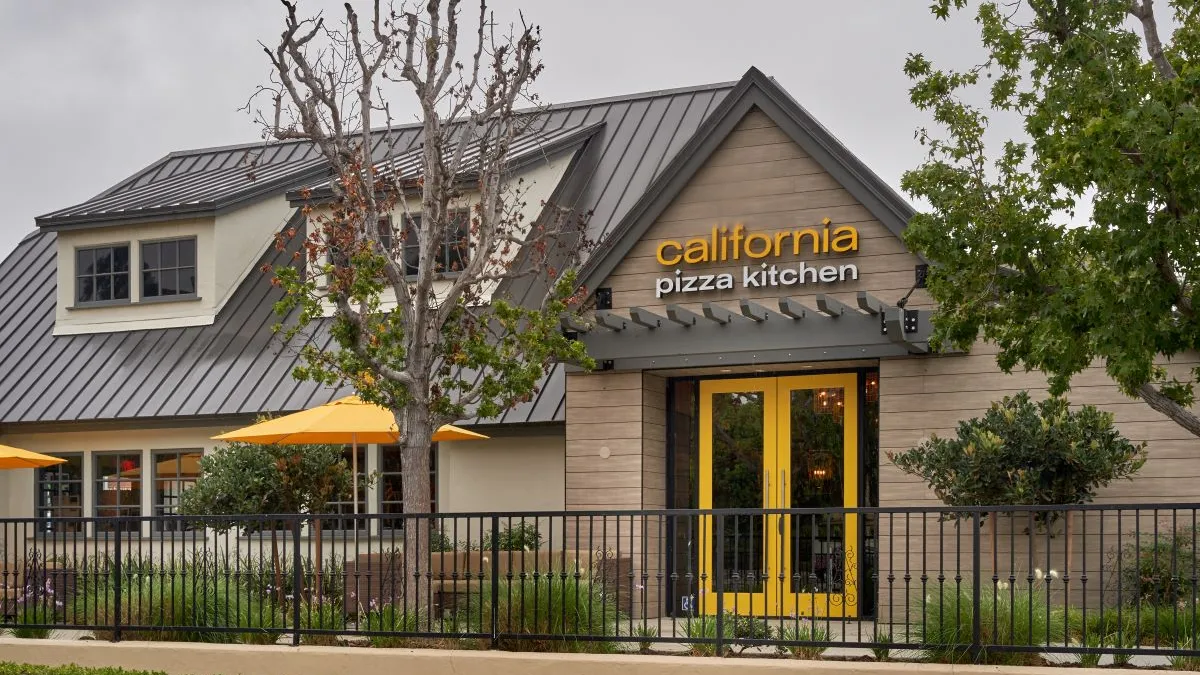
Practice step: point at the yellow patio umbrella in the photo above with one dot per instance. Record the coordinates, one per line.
(16, 458)
(346, 420)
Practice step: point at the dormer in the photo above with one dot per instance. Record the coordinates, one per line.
(538, 166)
(167, 247)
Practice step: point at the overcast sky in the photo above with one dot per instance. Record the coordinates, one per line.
(94, 91)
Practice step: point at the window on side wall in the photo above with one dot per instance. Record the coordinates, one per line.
(58, 491)
(175, 471)
(344, 505)
(169, 269)
(102, 274)
(118, 489)
(391, 484)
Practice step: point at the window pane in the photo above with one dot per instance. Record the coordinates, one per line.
(107, 464)
(187, 280)
(84, 260)
(118, 488)
(150, 256)
(150, 284)
(103, 260)
(85, 290)
(121, 286)
(103, 287)
(169, 251)
(168, 282)
(120, 258)
(187, 252)
(59, 494)
(412, 259)
(175, 471)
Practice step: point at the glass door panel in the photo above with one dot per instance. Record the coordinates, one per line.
(818, 459)
(737, 423)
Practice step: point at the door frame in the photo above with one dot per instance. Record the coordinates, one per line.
(776, 599)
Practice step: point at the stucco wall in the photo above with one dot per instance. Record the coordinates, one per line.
(503, 473)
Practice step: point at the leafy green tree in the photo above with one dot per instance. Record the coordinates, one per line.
(1111, 122)
(249, 479)
(1022, 452)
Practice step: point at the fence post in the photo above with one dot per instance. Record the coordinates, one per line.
(719, 584)
(297, 580)
(117, 573)
(976, 579)
(495, 575)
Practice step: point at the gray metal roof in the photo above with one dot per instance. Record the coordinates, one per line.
(236, 366)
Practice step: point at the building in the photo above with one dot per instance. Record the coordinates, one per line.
(754, 348)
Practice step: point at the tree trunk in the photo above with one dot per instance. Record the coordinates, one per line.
(418, 435)
(1178, 414)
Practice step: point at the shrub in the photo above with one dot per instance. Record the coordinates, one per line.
(259, 575)
(390, 618)
(805, 631)
(1143, 624)
(647, 632)
(551, 606)
(1022, 617)
(1157, 567)
(1185, 662)
(179, 607)
(328, 615)
(1021, 452)
(702, 627)
(747, 628)
(34, 614)
(523, 536)
(883, 640)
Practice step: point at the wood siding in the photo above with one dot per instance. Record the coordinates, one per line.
(758, 177)
(921, 397)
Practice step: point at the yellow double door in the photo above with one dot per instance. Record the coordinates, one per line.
(769, 444)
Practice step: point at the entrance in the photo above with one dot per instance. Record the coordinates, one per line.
(780, 443)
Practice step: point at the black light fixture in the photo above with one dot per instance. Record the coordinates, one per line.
(603, 298)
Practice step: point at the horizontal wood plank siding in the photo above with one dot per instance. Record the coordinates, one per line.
(758, 177)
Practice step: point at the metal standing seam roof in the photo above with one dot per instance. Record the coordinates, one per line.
(236, 366)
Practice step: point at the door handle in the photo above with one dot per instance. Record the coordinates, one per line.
(783, 497)
(767, 489)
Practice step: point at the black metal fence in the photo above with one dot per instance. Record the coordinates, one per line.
(1011, 584)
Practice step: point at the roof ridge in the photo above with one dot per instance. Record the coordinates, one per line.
(655, 93)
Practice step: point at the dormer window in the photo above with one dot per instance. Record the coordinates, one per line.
(453, 254)
(169, 269)
(102, 274)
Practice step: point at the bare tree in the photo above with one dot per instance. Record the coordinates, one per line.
(416, 253)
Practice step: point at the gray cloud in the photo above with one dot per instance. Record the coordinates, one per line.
(92, 91)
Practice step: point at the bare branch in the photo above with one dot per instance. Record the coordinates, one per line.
(1144, 12)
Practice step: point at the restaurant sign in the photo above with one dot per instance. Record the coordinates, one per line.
(725, 244)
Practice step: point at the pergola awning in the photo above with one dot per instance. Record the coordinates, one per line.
(751, 333)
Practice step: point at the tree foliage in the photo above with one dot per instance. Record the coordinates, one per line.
(1022, 452)
(1110, 120)
(248, 479)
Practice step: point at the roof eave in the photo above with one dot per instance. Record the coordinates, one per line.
(176, 211)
